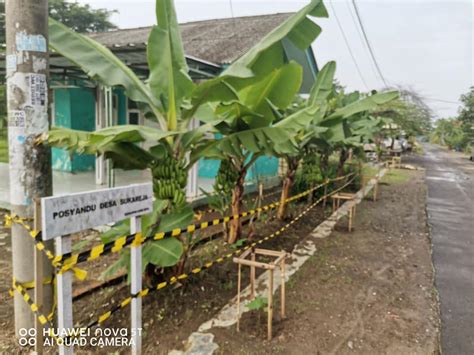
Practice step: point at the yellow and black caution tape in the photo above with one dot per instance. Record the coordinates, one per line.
(174, 279)
(44, 320)
(9, 219)
(31, 285)
(36, 235)
(69, 260)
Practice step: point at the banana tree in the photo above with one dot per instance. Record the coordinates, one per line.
(329, 124)
(248, 133)
(173, 100)
(316, 105)
(349, 124)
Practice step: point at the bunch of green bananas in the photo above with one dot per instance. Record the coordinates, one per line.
(332, 104)
(169, 180)
(311, 171)
(226, 178)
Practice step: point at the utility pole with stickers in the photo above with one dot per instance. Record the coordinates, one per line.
(27, 65)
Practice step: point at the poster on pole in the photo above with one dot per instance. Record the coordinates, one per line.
(76, 212)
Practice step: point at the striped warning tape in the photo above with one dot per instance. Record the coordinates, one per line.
(36, 236)
(44, 320)
(68, 261)
(174, 279)
(212, 210)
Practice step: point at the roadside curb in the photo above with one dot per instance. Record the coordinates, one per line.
(201, 342)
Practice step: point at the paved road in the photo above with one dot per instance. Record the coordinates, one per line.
(450, 179)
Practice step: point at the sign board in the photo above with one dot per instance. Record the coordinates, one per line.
(72, 213)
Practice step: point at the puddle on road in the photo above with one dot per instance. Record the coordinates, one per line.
(451, 179)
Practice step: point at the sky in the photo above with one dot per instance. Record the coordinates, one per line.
(424, 45)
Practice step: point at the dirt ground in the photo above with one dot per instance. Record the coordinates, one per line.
(178, 310)
(368, 292)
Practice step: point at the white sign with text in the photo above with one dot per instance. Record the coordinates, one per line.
(72, 213)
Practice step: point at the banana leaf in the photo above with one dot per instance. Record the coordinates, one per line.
(364, 104)
(169, 77)
(263, 57)
(274, 90)
(298, 29)
(99, 141)
(98, 62)
(323, 86)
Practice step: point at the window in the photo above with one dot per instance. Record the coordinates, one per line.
(134, 115)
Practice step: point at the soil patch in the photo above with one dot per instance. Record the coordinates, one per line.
(170, 315)
(368, 292)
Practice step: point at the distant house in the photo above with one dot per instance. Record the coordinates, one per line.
(210, 46)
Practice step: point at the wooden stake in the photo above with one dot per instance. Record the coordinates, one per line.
(39, 276)
(325, 195)
(283, 306)
(350, 219)
(270, 303)
(252, 276)
(238, 297)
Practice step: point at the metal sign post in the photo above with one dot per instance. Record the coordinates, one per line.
(63, 215)
(64, 292)
(136, 286)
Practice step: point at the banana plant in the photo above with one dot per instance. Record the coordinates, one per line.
(173, 100)
(316, 102)
(348, 124)
(331, 127)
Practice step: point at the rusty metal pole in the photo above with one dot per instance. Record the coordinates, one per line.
(27, 65)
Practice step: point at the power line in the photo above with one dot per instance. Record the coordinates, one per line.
(367, 42)
(441, 100)
(348, 46)
(359, 32)
(231, 8)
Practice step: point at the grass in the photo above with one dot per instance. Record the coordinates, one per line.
(3, 146)
(396, 176)
(369, 171)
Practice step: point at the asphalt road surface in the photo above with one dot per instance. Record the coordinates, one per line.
(450, 179)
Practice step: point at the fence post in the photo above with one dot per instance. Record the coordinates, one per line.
(64, 286)
(39, 276)
(136, 286)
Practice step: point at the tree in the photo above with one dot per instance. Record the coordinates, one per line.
(338, 122)
(448, 132)
(173, 100)
(81, 18)
(409, 112)
(457, 132)
(466, 116)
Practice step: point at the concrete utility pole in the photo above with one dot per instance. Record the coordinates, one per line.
(27, 65)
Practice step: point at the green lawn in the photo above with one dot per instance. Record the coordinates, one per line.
(3, 146)
(396, 176)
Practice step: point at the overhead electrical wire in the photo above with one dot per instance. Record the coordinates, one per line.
(231, 8)
(359, 32)
(441, 100)
(348, 46)
(368, 43)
